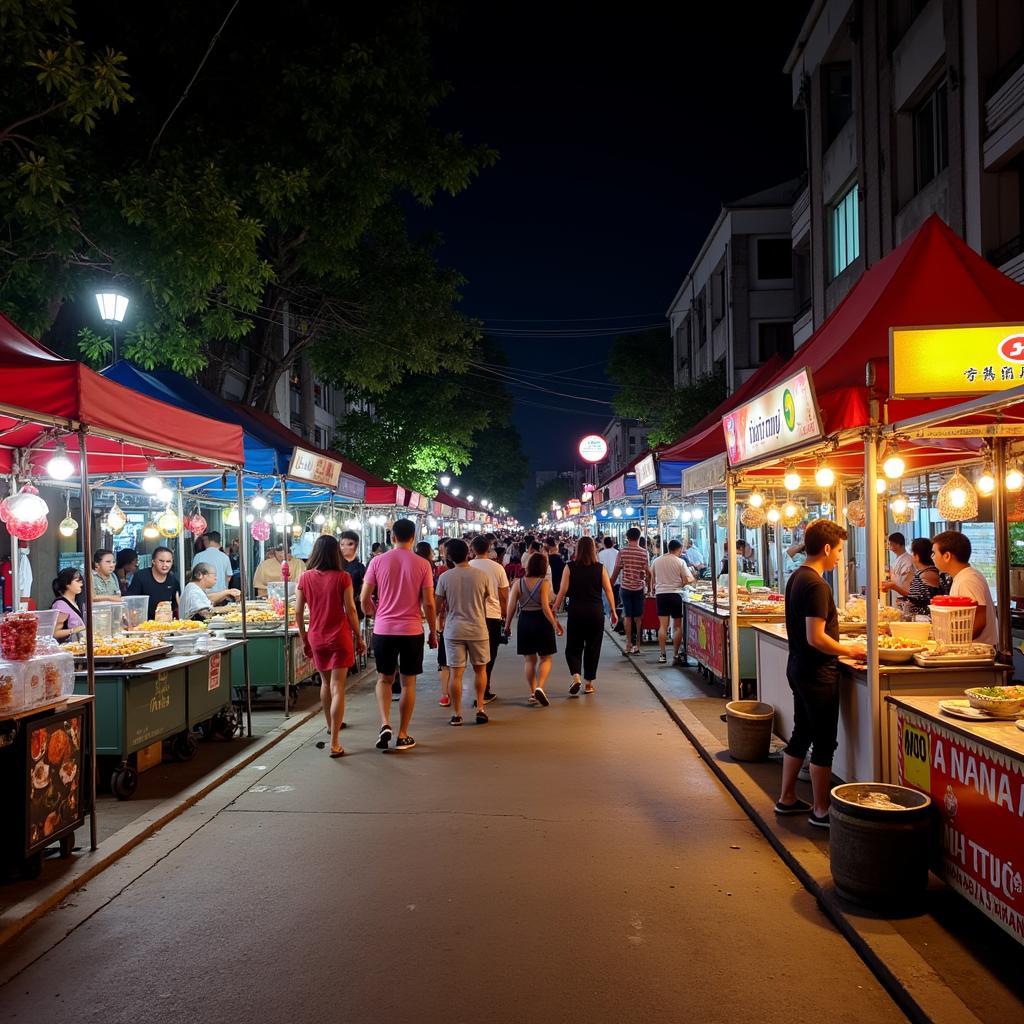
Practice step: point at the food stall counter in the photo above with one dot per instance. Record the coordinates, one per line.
(854, 757)
(974, 773)
(268, 650)
(706, 638)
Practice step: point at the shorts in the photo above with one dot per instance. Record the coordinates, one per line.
(632, 603)
(815, 713)
(402, 654)
(670, 605)
(456, 651)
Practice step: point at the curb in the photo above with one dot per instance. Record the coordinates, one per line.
(944, 1004)
(19, 917)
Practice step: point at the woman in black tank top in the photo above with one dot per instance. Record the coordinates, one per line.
(583, 583)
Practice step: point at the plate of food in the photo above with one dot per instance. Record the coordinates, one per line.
(997, 701)
(959, 707)
(892, 649)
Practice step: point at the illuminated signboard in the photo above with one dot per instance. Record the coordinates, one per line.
(930, 362)
(593, 448)
(314, 468)
(778, 420)
(646, 474)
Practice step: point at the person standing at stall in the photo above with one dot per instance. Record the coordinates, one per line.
(199, 597)
(635, 569)
(608, 555)
(812, 627)
(925, 583)
(66, 588)
(212, 555)
(952, 553)
(671, 575)
(326, 589)
(902, 571)
(403, 585)
(158, 583)
(585, 583)
(105, 586)
(269, 570)
(127, 566)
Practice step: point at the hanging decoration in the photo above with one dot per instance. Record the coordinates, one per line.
(722, 521)
(958, 500)
(168, 524)
(856, 512)
(260, 530)
(151, 531)
(792, 514)
(26, 514)
(773, 513)
(231, 516)
(68, 527)
(753, 518)
(667, 514)
(195, 522)
(116, 519)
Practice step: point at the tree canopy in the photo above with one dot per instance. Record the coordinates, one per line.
(640, 365)
(560, 489)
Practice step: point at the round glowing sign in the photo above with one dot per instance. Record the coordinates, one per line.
(593, 448)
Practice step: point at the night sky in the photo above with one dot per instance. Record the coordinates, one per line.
(619, 136)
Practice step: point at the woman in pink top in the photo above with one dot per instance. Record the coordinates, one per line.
(326, 589)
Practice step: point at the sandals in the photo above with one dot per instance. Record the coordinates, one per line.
(589, 689)
(339, 752)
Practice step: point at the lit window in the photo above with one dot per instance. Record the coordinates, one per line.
(845, 232)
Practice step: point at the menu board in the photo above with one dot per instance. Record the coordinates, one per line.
(54, 777)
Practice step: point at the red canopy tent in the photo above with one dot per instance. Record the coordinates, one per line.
(43, 395)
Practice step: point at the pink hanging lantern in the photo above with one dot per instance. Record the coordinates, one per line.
(260, 530)
(25, 514)
(195, 523)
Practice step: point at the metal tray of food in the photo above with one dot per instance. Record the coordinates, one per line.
(124, 660)
(955, 660)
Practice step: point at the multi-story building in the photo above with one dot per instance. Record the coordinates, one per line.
(910, 107)
(734, 309)
(626, 439)
(302, 402)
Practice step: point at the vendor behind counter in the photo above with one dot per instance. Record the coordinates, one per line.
(158, 583)
(269, 570)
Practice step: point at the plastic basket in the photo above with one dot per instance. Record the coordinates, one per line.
(953, 625)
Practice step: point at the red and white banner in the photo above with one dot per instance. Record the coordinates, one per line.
(980, 794)
(705, 639)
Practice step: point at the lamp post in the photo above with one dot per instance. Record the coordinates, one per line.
(113, 306)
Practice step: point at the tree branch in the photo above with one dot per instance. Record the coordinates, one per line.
(14, 125)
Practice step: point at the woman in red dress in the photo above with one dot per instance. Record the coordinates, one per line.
(326, 589)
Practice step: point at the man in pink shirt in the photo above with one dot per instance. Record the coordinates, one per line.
(403, 586)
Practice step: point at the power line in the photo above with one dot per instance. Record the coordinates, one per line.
(566, 320)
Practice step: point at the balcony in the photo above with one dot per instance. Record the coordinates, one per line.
(1010, 259)
(1004, 122)
(801, 217)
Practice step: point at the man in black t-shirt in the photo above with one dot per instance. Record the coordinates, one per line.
(158, 583)
(812, 627)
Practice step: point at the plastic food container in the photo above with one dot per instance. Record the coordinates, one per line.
(106, 618)
(38, 680)
(918, 631)
(18, 636)
(136, 611)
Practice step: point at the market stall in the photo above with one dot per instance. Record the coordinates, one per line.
(52, 405)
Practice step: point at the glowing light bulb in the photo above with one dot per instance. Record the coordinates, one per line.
(756, 499)
(319, 519)
(900, 504)
(987, 480)
(59, 467)
(789, 509)
(152, 482)
(792, 478)
(617, 512)
(165, 495)
(455, 492)
(773, 513)
(259, 502)
(824, 476)
(880, 486)
(1014, 478)
(630, 510)
(231, 516)
(894, 466)
(958, 497)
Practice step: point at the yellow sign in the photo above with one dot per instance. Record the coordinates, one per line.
(930, 362)
(917, 765)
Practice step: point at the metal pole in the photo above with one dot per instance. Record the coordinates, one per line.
(243, 571)
(872, 543)
(286, 574)
(712, 542)
(734, 622)
(90, 661)
(15, 559)
(842, 579)
(1002, 528)
(182, 574)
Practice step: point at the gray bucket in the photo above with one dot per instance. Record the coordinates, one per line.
(750, 729)
(879, 855)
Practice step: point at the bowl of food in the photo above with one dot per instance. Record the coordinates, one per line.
(997, 701)
(916, 631)
(892, 649)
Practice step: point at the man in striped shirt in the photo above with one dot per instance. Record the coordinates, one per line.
(635, 570)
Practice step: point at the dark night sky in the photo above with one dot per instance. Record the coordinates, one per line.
(619, 136)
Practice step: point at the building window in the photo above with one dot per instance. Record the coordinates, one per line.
(323, 396)
(774, 338)
(774, 259)
(837, 85)
(845, 232)
(717, 297)
(931, 138)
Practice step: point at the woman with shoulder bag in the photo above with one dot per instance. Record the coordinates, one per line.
(535, 639)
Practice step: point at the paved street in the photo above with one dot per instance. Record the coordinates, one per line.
(565, 864)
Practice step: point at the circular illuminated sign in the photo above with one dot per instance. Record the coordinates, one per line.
(593, 448)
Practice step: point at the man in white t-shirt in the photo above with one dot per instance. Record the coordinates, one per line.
(952, 554)
(902, 570)
(693, 557)
(497, 601)
(607, 556)
(671, 574)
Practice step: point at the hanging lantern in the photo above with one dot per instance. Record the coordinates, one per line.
(168, 524)
(824, 474)
(793, 512)
(231, 516)
(296, 531)
(986, 482)
(196, 523)
(856, 512)
(68, 527)
(260, 530)
(791, 480)
(899, 505)
(116, 519)
(903, 517)
(667, 514)
(151, 531)
(773, 513)
(893, 465)
(26, 514)
(753, 518)
(958, 500)
(1014, 477)
(722, 521)
(755, 499)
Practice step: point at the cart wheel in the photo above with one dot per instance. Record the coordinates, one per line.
(184, 747)
(32, 867)
(123, 782)
(223, 726)
(67, 845)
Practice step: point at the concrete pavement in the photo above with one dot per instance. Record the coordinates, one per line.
(578, 862)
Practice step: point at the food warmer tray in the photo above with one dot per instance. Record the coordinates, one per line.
(124, 660)
(956, 661)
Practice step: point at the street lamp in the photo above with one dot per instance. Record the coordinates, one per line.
(113, 306)
(445, 479)
(469, 498)
(455, 492)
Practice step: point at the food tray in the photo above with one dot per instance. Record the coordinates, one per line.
(121, 660)
(955, 660)
(164, 632)
(962, 709)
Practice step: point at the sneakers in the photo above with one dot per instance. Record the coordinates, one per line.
(662, 660)
(823, 822)
(488, 697)
(445, 701)
(384, 738)
(796, 807)
(404, 743)
(455, 720)
(481, 718)
(636, 650)
(542, 697)
(574, 690)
